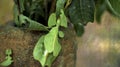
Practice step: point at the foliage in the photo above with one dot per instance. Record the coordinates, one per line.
(23, 17)
(110, 5)
(114, 7)
(33, 15)
(48, 46)
(8, 60)
(81, 14)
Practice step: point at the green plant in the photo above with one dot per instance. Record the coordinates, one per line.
(8, 59)
(33, 15)
(48, 46)
(113, 7)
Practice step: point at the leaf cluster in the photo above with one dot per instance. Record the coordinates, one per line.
(113, 7)
(79, 12)
(28, 14)
(33, 15)
(48, 46)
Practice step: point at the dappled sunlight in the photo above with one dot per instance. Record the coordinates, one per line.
(100, 44)
(117, 47)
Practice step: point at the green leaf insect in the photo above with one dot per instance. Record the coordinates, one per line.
(8, 60)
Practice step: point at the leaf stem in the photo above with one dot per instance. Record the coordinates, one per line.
(58, 23)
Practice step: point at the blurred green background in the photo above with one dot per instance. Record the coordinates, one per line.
(98, 47)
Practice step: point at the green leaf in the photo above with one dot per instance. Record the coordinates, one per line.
(82, 11)
(59, 5)
(21, 5)
(39, 53)
(39, 49)
(43, 58)
(31, 24)
(114, 7)
(79, 29)
(57, 48)
(99, 11)
(50, 60)
(7, 62)
(22, 19)
(51, 39)
(63, 19)
(61, 34)
(16, 14)
(52, 20)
